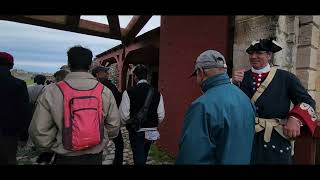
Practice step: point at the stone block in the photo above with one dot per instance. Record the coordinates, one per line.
(307, 57)
(307, 78)
(310, 19)
(309, 35)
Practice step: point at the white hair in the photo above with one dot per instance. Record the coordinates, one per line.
(215, 71)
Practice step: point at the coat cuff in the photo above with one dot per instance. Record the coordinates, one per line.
(306, 114)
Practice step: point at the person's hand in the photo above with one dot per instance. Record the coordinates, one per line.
(292, 128)
(237, 76)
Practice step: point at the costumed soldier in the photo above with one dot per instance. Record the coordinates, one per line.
(272, 90)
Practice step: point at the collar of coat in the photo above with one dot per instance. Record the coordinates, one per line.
(79, 75)
(5, 71)
(266, 69)
(215, 81)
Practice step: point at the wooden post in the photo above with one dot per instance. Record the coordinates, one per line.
(305, 147)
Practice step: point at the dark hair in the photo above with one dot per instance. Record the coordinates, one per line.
(4, 63)
(48, 82)
(60, 75)
(39, 79)
(141, 71)
(98, 69)
(79, 58)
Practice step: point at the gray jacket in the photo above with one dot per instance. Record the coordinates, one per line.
(47, 123)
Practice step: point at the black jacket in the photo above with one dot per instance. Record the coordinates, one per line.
(275, 101)
(137, 96)
(15, 112)
(117, 95)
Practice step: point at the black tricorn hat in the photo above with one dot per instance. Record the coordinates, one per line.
(269, 45)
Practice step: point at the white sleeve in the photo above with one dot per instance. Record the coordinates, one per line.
(124, 107)
(160, 110)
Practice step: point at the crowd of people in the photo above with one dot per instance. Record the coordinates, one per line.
(243, 119)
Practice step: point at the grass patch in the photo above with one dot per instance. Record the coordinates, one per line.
(29, 81)
(160, 156)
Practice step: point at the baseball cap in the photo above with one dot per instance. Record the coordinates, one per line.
(209, 59)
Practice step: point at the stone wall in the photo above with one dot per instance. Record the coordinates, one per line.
(299, 36)
(307, 56)
(114, 74)
(247, 29)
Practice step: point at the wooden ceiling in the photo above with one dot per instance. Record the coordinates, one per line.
(75, 24)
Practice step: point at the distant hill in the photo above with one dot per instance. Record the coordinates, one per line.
(28, 76)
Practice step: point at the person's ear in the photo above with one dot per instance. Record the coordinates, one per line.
(201, 72)
(269, 55)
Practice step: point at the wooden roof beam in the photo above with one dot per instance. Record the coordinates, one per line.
(84, 27)
(134, 27)
(114, 25)
(73, 21)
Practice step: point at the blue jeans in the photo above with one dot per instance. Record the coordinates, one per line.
(140, 147)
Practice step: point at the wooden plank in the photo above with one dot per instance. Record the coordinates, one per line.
(134, 27)
(53, 19)
(73, 21)
(85, 27)
(90, 25)
(114, 25)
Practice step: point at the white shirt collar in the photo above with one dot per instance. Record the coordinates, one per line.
(142, 81)
(260, 71)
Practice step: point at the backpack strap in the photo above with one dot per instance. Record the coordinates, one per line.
(139, 117)
(147, 102)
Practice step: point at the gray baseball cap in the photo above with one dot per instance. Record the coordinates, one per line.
(209, 59)
(99, 69)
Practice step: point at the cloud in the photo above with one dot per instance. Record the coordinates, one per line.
(153, 23)
(41, 48)
(99, 19)
(21, 35)
(40, 64)
(124, 20)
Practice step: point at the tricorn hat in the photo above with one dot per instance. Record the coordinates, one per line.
(269, 45)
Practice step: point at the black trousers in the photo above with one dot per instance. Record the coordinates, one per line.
(140, 147)
(118, 143)
(277, 151)
(8, 150)
(87, 159)
(45, 157)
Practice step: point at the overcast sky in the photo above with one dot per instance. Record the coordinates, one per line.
(40, 49)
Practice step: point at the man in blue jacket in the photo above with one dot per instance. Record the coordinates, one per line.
(219, 125)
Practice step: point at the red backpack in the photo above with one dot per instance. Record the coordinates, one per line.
(83, 117)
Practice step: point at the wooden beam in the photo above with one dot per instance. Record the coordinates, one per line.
(73, 21)
(135, 26)
(90, 25)
(85, 27)
(114, 25)
(60, 19)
